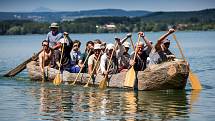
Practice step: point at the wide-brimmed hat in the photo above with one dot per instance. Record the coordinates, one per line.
(54, 25)
(126, 44)
(97, 46)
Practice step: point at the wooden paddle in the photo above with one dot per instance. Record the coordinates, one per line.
(22, 66)
(81, 68)
(131, 74)
(57, 80)
(97, 61)
(194, 80)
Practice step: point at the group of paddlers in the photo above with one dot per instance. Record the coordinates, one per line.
(59, 51)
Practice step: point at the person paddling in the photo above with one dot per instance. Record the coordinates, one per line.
(160, 50)
(45, 56)
(94, 60)
(105, 58)
(88, 51)
(139, 62)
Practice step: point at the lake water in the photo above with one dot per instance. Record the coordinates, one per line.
(24, 100)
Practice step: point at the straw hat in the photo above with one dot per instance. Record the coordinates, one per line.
(54, 25)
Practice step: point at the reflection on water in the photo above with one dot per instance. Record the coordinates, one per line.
(73, 103)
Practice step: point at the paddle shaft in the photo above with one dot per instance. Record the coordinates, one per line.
(82, 67)
(58, 80)
(179, 47)
(22, 66)
(135, 52)
(109, 63)
(86, 85)
(194, 81)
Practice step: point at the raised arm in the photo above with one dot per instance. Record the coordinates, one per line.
(120, 49)
(159, 42)
(127, 36)
(146, 40)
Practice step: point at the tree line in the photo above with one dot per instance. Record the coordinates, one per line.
(155, 22)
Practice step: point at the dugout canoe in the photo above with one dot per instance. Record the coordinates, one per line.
(168, 75)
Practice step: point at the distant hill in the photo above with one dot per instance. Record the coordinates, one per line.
(68, 16)
(42, 9)
(207, 15)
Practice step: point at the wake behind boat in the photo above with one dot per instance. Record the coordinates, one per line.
(167, 75)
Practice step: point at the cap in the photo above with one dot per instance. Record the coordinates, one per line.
(54, 25)
(97, 46)
(126, 44)
(110, 46)
(166, 41)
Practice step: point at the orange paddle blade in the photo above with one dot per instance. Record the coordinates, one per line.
(194, 80)
(130, 78)
(57, 80)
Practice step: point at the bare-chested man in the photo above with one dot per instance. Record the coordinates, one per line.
(45, 56)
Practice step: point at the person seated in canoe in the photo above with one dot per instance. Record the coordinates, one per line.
(63, 51)
(125, 58)
(75, 56)
(94, 61)
(139, 62)
(53, 38)
(103, 46)
(105, 58)
(45, 56)
(88, 51)
(138, 58)
(167, 52)
(122, 53)
(158, 53)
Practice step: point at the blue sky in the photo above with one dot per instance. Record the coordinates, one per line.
(76, 5)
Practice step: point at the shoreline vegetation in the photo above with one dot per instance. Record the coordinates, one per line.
(157, 21)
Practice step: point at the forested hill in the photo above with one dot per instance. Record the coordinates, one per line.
(207, 15)
(68, 16)
(154, 21)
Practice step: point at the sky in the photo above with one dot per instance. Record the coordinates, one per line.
(77, 5)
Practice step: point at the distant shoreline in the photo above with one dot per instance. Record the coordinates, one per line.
(113, 32)
(151, 22)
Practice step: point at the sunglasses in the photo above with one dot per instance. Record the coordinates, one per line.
(97, 50)
(45, 45)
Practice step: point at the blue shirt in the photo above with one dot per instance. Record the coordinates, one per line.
(53, 39)
(75, 57)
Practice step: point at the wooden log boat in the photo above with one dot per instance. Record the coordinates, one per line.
(168, 75)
